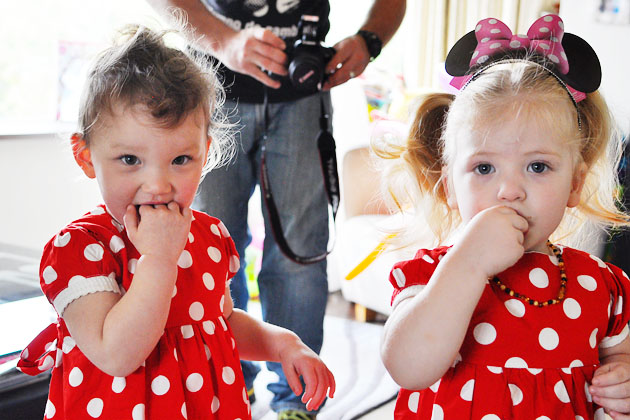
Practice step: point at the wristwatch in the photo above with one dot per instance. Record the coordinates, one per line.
(373, 43)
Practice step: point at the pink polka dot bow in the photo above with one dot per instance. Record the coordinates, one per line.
(543, 37)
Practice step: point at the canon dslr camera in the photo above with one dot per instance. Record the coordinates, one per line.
(307, 56)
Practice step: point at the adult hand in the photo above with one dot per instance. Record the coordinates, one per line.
(350, 59)
(251, 51)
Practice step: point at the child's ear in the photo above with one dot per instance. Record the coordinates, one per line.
(451, 200)
(82, 155)
(579, 176)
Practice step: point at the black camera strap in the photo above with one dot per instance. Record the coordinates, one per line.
(328, 158)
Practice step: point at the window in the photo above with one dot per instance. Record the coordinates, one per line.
(46, 47)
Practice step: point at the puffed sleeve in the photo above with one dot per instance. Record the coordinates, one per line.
(410, 277)
(75, 263)
(619, 286)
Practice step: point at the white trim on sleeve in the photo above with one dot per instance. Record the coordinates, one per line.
(84, 286)
(608, 342)
(407, 293)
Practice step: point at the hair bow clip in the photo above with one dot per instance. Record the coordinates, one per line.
(570, 58)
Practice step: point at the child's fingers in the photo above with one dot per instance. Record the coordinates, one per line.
(172, 206)
(618, 416)
(130, 219)
(611, 374)
(618, 391)
(613, 404)
(319, 394)
(332, 385)
(310, 382)
(293, 379)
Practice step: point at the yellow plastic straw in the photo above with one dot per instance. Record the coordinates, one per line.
(370, 257)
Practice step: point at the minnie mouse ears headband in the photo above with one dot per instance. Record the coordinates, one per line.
(568, 57)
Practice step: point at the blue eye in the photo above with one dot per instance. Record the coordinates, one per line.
(180, 160)
(538, 167)
(484, 169)
(129, 160)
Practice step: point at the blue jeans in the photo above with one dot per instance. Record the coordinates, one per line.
(292, 295)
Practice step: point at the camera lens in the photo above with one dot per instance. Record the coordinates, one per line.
(306, 71)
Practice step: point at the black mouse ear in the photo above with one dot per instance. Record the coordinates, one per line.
(585, 72)
(458, 58)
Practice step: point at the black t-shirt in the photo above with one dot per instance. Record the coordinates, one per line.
(282, 18)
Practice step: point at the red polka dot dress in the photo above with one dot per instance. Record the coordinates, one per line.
(520, 361)
(193, 372)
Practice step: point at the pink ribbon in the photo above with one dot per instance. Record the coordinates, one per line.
(544, 37)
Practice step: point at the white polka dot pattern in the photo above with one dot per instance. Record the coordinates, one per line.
(551, 346)
(50, 410)
(75, 378)
(93, 252)
(68, 344)
(196, 311)
(215, 254)
(49, 275)
(138, 412)
(208, 281)
(401, 280)
(187, 331)
(101, 256)
(116, 244)
(228, 375)
(485, 333)
(516, 394)
(587, 282)
(160, 385)
(185, 259)
(539, 278)
(561, 392)
(119, 384)
(543, 37)
(592, 341)
(548, 338)
(466, 393)
(194, 382)
(209, 327)
(515, 307)
(413, 401)
(516, 362)
(95, 407)
(215, 405)
(571, 308)
(437, 413)
(62, 240)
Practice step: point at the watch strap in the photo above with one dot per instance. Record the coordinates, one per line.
(373, 43)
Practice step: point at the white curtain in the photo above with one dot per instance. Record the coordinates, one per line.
(431, 27)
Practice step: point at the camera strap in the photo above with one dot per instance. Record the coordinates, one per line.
(328, 158)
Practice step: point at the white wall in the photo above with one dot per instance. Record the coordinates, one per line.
(42, 189)
(610, 42)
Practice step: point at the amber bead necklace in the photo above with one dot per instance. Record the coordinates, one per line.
(534, 302)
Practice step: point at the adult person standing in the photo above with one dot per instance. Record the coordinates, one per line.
(249, 38)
